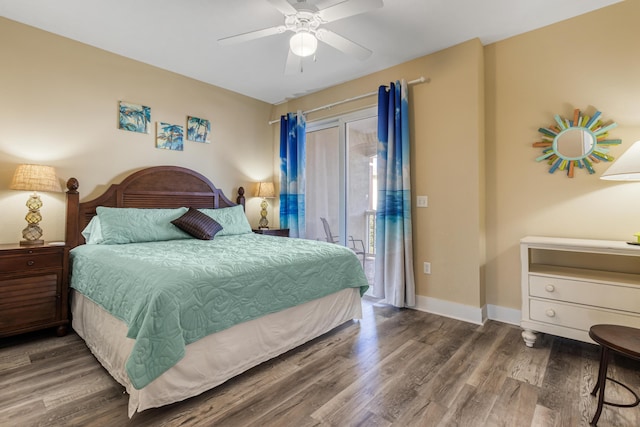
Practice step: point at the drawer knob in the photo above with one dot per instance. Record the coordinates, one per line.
(551, 313)
(30, 262)
(550, 288)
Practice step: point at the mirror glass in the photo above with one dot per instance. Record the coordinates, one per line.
(576, 143)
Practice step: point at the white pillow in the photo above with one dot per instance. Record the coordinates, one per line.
(92, 233)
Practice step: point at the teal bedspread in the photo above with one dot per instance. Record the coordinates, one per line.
(173, 293)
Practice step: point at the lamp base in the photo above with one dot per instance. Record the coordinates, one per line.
(33, 232)
(264, 222)
(31, 242)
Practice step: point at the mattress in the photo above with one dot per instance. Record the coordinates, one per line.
(216, 358)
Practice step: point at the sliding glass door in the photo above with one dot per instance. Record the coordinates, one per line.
(342, 183)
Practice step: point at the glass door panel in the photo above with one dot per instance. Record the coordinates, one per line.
(323, 184)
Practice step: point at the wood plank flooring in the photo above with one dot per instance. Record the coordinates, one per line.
(393, 368)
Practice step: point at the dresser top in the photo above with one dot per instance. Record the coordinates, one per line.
(581, 245)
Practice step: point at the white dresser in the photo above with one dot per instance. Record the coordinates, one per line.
(568, 285)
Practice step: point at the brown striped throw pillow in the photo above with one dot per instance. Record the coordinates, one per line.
(197, 224)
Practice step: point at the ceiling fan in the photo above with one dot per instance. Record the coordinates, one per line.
(305, 21)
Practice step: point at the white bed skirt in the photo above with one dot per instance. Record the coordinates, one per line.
(215, 358)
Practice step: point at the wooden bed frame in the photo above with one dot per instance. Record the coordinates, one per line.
(154, 187)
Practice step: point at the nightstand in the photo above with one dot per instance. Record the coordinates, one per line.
(33, 288)
(282, 232)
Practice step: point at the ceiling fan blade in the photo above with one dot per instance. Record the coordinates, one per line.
(343, 44)
(294, 64)
(252, 35)
(348, 8)
(283, 6)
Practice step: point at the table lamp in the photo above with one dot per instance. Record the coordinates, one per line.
(626, 168)
(34, 178)
(265, 190)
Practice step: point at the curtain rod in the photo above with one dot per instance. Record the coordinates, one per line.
(355, 98)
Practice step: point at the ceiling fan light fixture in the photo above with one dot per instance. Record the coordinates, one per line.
(303, 43)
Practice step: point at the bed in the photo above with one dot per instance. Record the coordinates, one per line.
(171, 316)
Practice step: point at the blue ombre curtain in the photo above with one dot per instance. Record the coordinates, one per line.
(394, 279)
(292, 173)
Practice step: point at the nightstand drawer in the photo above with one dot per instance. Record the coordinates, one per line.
(34, 313)
(24, 288)
(28, 301)
(31, 261)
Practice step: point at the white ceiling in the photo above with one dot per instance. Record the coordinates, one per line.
(181, 35)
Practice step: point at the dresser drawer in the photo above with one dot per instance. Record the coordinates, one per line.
(31, 261)
(576, 316)
(618, 297)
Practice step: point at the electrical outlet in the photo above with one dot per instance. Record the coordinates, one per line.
(422, 201)
(427, 268)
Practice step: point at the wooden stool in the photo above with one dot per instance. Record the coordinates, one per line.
(621, 339)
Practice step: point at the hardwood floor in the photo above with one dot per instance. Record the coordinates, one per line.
(393, 368)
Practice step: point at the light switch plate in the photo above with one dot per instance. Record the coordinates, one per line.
(422, 201)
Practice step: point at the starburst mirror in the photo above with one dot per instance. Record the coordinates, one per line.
(578, 142)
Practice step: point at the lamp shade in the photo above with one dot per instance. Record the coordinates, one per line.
(266, 189)
(35, 178)
(627, 167)
(303, 43)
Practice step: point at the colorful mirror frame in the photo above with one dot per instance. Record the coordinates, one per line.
(578, 143)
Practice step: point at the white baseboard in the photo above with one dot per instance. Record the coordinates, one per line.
(467, 313)
(454, 310)
(504, 314)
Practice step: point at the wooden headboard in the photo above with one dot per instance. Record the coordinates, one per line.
(154, 187)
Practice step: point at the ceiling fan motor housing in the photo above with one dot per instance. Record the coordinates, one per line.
(303, 21)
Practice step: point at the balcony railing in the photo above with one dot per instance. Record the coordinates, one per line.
(370, 238)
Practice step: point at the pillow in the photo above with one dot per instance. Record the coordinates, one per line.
(197, 224)
(92, 233)
(233, 220)
(132, 225)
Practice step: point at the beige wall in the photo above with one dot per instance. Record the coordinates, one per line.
(58, 106)
(588, 62)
